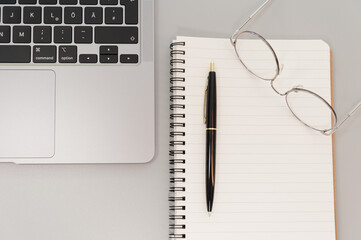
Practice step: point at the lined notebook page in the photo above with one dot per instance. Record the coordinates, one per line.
(274, 176)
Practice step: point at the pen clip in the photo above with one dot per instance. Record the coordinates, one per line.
(204, 105)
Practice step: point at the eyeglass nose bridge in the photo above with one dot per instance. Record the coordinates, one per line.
(276, 91)
(274, 88)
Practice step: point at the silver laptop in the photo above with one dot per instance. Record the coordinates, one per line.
(77, 81)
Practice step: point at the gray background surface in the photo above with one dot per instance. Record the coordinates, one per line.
(96, 202)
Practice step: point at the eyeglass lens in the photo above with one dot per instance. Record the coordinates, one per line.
(256, 55)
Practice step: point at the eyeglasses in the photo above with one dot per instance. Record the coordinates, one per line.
(295, 96)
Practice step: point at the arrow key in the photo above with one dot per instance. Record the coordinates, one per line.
(129, 58)
(108, 58)
(88, 58)
(108, 50)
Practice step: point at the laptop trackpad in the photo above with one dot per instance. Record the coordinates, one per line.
(27, 113)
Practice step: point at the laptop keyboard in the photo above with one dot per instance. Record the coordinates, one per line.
(69, 31)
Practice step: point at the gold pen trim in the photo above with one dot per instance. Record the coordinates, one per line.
(211, 66)
(204, 105)
(211, 129)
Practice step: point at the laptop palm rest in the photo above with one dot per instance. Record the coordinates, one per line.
(27, 113)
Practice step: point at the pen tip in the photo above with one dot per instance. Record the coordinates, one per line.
(209, 214)
(212, 66)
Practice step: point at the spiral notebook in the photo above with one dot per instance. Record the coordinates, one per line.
(274, 176)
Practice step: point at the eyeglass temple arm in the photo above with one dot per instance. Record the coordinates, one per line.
(249, 18)
(349, 114)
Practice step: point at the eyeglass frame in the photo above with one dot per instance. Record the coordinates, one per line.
(334, 125)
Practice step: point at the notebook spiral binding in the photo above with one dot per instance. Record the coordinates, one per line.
(176, 152)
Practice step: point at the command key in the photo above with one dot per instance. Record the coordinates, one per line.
(44, 54)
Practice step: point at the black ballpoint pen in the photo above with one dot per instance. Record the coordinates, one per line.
(210, 119)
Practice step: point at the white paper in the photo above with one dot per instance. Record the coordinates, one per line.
(274, 176)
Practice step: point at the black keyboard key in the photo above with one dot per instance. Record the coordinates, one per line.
(129, 58)
(108, 58)
(12, 15)
(8, 1)
(21, 34)
(27, 2)
(108, 50)
(113, 15)
(42, 34)
(131, 11)
(109, 2)
(15, 54)
(63, 34)
(44, 54)
(32, 15)
(93, 15)
(68, 54)
(48, 2)
(88, 2)
(73, 15)
(53, 15)
(120, 35)
(4, 34)
(83, 34)
(88, 58)
(68, 2)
